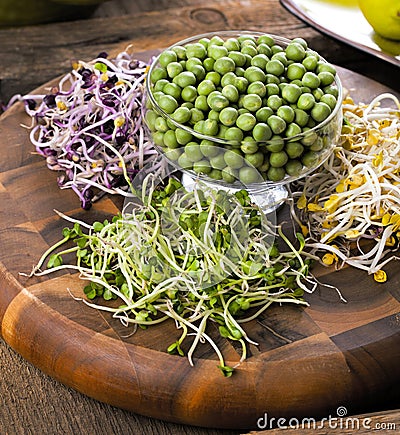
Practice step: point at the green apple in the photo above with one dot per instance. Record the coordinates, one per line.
(383, 15)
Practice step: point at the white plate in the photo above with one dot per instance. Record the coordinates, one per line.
(344, 21)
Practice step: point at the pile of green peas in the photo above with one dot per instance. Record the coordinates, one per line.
(233, 108)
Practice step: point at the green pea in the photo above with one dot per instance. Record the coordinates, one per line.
(295, 71)
(276, 174)
(260, 60)
(189, 93)
(239, 71)
(281, 56)
(232, 44)
(158, 74)
(201, 102)
(266, 39)
(271, 78)
(202, 167)
(157, 95)
(180, 51)
(234, 159)
(168, 103)
(209, 148)
(213, 114)
(182, 136)
(229, 175)
(311, 80)
(322, 66)
(228, 79)
(196, 114)
(274, 102)
(300, 41)
(210, 127)
(276, 48)
(256, 159)
(228, 116)
(263, 114)
(181, 115)
(262, 132)
(214, 77)
(318, 145)
(217, 101)
(173, 69)
(275, 144)
(301, 116)
(292, 130)
(320, 111)
(238, 57)
(306, 101)
(318, 93)
(310, 62)
(249, 49)
(330, 100)
(309, 137)
(295, 51)
(249, 146)
(224, 64)
(326, 78)
(173, 154)
(241, 84)
(166, 57)
(198, 71)
(170, 139)
(217, 51)
(252, 102)
(291, 93)
(185, 78)
(310, 159)
(208, 64)
(294, 149)
(184, 162)
(257, 88)
(294, 168)
(246, 121)
(332, 90)
(215, 174)
(278, 159)
(231, 93)
(158, 138)
(218, 161)
(198, 126)
(205, 87)
(275, 67)
(192, 151)
(172, 89)
(286, 113)
(248, 175)
(264, 49)
(272, 89)
(159, 85)
(277, 124)
(196, 50)
(221, 130)
(254, 74)
(160, 124)
(234, 134)
(193, 62)
(151, 117)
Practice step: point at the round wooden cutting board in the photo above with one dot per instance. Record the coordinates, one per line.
(309, 362)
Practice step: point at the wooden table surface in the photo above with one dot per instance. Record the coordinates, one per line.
(30, 401)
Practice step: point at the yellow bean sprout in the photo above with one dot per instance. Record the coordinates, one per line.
(350, 209)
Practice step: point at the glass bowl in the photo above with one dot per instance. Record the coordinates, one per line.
(237, 141)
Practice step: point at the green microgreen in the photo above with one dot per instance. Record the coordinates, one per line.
(194, 257)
